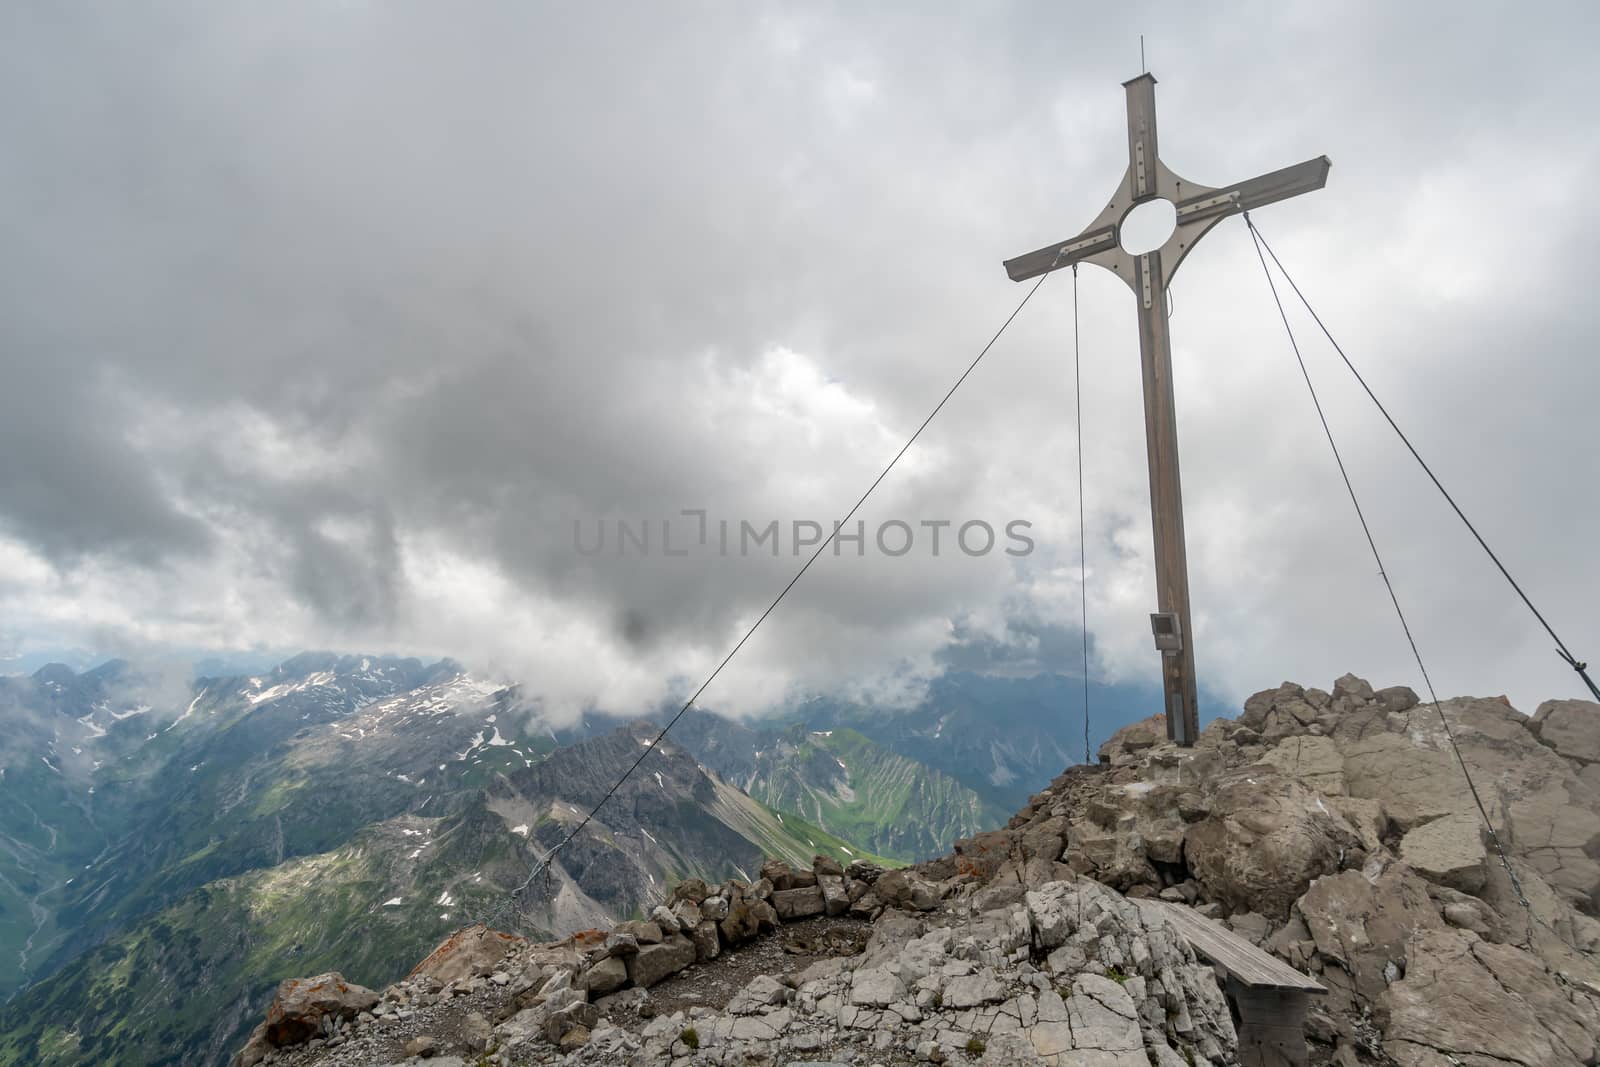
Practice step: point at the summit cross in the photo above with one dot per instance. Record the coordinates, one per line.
(1198, 209)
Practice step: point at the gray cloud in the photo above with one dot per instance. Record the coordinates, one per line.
(320, 327)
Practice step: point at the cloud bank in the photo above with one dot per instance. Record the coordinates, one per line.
(321, 328)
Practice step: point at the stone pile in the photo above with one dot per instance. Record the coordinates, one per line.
(698, 921)
(549, 989)
(1069, 974)
(1066, 973)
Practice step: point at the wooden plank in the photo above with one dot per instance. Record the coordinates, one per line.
(1243, 962)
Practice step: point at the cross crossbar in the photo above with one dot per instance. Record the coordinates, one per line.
(1208, 206)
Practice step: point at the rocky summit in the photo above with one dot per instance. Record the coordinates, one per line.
(1139, 912)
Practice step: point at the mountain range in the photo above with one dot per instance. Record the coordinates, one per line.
(169, 848)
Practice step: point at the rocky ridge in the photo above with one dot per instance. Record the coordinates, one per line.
(1068, 973)
(1333, 829)
(1337, 830)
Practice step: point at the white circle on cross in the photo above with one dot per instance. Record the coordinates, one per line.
(1147, 226)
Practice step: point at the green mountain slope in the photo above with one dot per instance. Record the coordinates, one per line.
(259, 771)
(48, 834)
(843, 783)
(786, 837)
(185, 984)
(861, 791)
(163, 867)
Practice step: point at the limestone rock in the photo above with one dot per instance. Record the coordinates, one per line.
(476, 1032)
(574, 1038)
(1570, 727)
(783, 877)
(655, 962)
(1357, 689)
(605, 976)
(982, 855)
(1134, 738)
(687, 914)
(800, 903)
(1467, 912)
(835, 897)
(863, 871)
(903, 889)
(1104, 1019)
(762, 992)
(300, 1005)
(1316, 762)
(1569, 1014)
(1251, 926)
(1448, 851)
(574, 1018)
(1115, 857)
(1362, 927)
(1366, 816)
(643, 931)
(1279, 713)
(618, 943)
(748, 915)
(866, 906)
(1449, 1003)
(969, 991)
(467, 952)
(1397, 698)
(1267, 838)
(693, 890)
(1405, 760)
(707, 942)
(877, 988)
(1258, 706)
(1557, 830)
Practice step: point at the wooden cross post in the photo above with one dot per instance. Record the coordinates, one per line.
(1199, 208)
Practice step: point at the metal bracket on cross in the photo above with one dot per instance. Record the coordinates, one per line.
(1198, 207)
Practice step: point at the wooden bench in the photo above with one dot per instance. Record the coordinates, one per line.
(1269, 996)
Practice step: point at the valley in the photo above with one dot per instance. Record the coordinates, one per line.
(166, 857)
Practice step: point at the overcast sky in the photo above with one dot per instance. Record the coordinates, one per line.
(321, 324)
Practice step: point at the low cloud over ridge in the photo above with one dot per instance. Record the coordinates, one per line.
(321, 332)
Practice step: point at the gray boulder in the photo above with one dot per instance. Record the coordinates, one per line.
(1570, 727)
(605, 976)
(793, 904)
(1465, 1000)
(656, 962)
(748, 915)
(707, 942)
(1449, 852)
(903, 889)
(835, 897)
(1362, 926)
(300, 1005)
(1265, 841)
